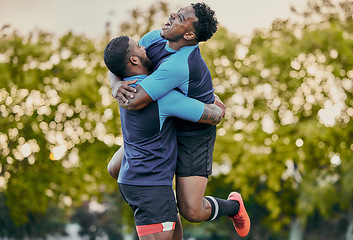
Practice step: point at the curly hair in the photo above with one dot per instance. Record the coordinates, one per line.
(116, 54)
(207, 22)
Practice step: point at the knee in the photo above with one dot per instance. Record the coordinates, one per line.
(113, 170)
(191, 214)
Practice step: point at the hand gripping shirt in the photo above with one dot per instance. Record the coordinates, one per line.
(150, 138)
(184, 70)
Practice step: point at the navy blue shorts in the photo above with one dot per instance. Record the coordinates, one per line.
(195, 154)
(154, 207)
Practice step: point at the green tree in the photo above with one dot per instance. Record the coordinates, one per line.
(143, 21)
(286, 136)
(285, 142)
(59, 124)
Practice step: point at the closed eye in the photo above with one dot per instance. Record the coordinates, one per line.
(181, 16)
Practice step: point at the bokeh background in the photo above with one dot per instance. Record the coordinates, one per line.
(284, 69)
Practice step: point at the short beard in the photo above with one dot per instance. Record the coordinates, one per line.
(146, 63)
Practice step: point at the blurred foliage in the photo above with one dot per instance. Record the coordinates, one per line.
(286, 140)
(38, 225)
(285, 143)
(59, 124)
(100, 223)
(143, 21)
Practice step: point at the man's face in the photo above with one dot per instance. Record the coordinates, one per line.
(179, 23)
(137, 50)
(140, 52)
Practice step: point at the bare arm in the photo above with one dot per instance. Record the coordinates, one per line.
(120, 88)
(211, 115)
(139, 100)
(128, 97)
(115, 163)
(220, 104)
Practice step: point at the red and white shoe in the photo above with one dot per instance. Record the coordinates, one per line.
(241, 221)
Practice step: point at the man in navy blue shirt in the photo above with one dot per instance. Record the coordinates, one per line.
(177, 63)
(150, 147)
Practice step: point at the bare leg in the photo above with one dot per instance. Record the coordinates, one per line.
(195, 208)
(178, 231)
(175, 234)
(190, 196)
(115, 163)
(159, 236)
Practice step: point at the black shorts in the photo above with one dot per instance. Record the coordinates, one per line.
(154, 207)
(195, 154)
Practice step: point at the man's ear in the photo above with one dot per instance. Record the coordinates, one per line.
(189, 36)
(134, 60)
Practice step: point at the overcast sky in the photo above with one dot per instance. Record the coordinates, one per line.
(89, 16)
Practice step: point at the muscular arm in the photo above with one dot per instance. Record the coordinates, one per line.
(211, 115)
(115, 163)
(128, 97)
(140, 99)
(178, 105)
(167, 77)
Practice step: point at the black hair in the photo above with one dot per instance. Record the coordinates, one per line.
(206, 26)
(116, 55)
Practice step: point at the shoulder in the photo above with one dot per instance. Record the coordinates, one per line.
(184, 53)
(179, 60)
(151, 37)
(139, 78)
(174, 65)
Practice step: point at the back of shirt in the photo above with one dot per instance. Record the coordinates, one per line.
(150, 147)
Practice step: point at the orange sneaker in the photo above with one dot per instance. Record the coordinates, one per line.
(241, 221)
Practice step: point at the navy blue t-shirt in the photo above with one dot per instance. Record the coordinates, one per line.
(185, 70)
(150, 147)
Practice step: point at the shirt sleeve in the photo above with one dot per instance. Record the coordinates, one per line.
(173, 73)
(150, 38)
(176, 104)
